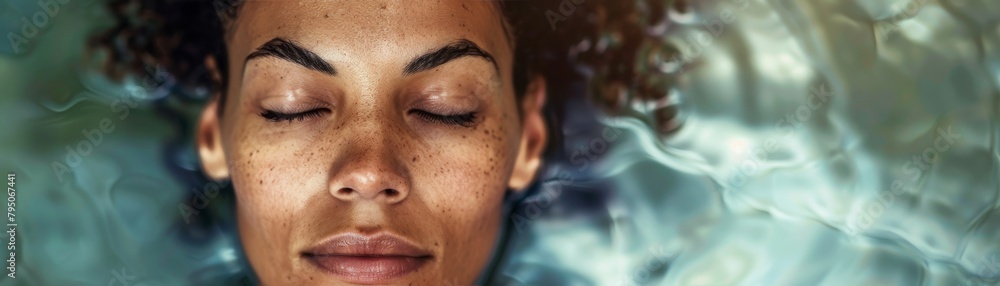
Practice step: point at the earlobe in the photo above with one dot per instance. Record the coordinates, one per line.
(209, 141)
(534, 136)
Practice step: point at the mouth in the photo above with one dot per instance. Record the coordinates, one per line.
(357, 258)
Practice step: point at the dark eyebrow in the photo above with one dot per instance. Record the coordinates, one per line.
(442, 55)
(290, 51)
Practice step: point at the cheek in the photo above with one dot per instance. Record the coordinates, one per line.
(467, 203)
(465, 189)
(470, 175)
(257, 171)
(265, 177)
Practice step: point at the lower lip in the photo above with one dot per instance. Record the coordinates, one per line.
(368, 269)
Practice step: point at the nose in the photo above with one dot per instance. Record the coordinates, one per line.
(372, 174)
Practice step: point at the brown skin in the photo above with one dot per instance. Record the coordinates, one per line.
(370, 164)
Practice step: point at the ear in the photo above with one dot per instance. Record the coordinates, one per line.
(209, 141)
(534, 135)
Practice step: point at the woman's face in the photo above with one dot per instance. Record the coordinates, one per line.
(371, 141)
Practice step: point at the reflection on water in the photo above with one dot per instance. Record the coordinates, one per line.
(823, 142)
(820, 142)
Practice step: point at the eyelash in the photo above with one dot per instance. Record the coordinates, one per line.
(464, 120)
(274, 116)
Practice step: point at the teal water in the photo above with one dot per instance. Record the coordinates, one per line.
(817, 143)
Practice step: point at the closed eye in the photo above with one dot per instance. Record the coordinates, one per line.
(464, 120)
(274, 116)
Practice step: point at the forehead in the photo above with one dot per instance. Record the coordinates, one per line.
(344, 30)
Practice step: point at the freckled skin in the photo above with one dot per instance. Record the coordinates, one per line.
(290, 177)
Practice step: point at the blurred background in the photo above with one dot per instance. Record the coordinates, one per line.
(776, 142)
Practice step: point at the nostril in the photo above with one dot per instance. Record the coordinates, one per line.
(391, 192)
(351, 194)
(344, 191)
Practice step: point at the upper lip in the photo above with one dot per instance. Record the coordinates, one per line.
(378, 245)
